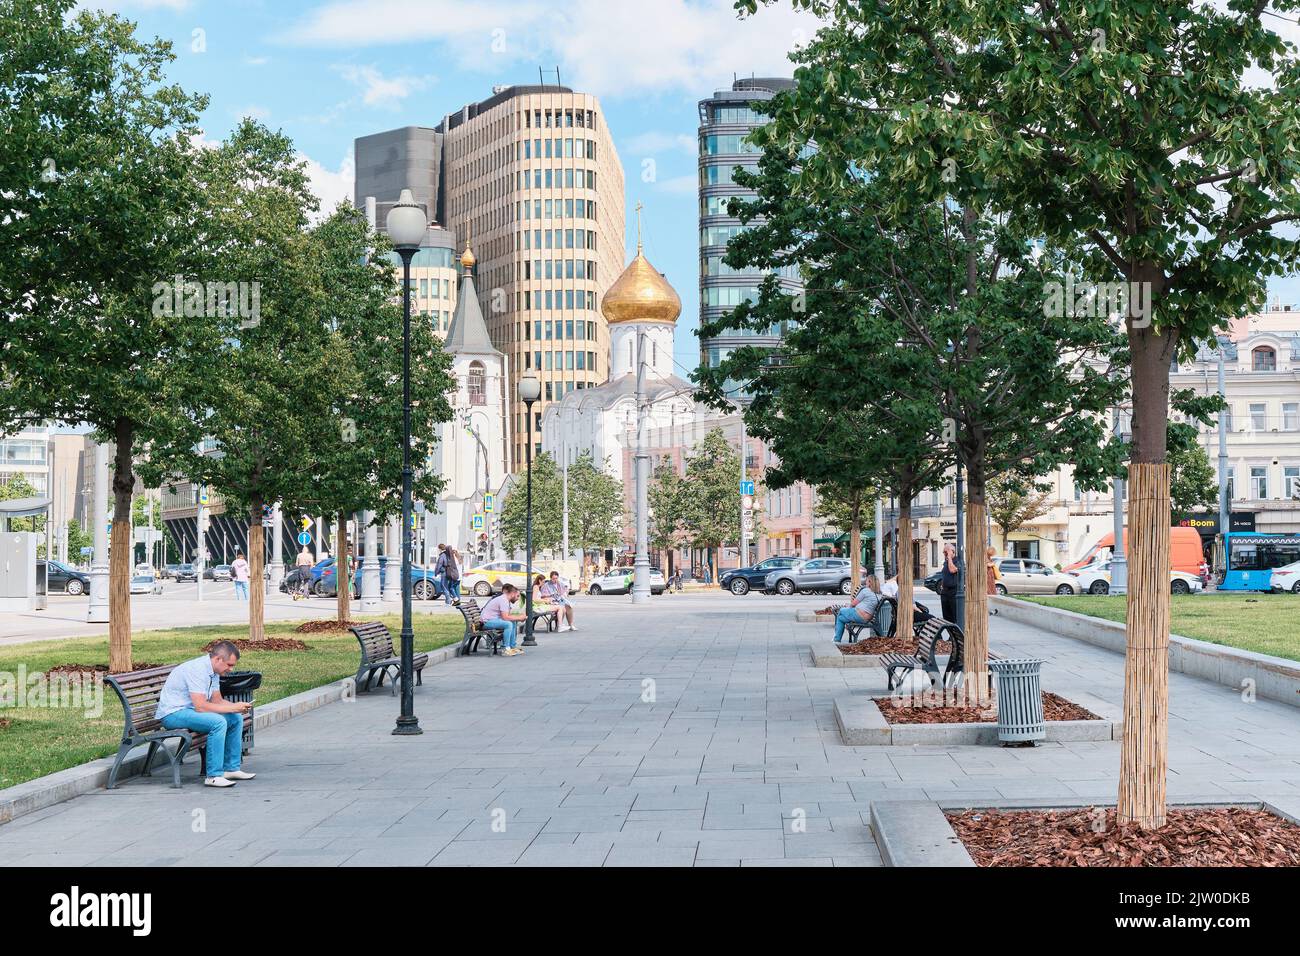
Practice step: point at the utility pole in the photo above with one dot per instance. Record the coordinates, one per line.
(1224, 504)
(880, 545)
(98, 513)
(641, 569)
(1118, 563)
(743, 560)
(201, 539)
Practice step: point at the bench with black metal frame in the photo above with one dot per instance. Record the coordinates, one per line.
(474, 629)
(378, 657)
(881, 621)
(139, 692)
(957, 659)
(550, 616)
(923, 658)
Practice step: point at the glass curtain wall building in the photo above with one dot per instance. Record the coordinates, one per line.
(726, 119)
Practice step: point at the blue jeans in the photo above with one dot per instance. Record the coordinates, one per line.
(225, 736)
(451, 589)
(241, 590)
(507, 629)
(844, 616)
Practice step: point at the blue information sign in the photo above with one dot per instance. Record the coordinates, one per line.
(304, 537)
(746, 487)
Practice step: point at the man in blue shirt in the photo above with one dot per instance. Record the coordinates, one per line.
(861, 609)
(191, 699)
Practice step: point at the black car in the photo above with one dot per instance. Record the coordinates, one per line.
(61, 578)
(186, 572)
(741, 580)
(932, 582)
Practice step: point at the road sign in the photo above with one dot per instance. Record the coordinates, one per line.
(203, 494)
(87, 551)
(413, 520)
(304, 523)
(476, 523)
(304, 537)
(747, 488)
(489, 503)
(747, 502)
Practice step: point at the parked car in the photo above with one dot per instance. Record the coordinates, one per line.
(616, 582)
(169, 571)
(146, 584)
(813, 576)
(739, 581)
(1023, 576)
(1095, 579)
(186, 572)
(220, 572)
(144, 567)
(1286, 578)
(60, 577)
(485, 580)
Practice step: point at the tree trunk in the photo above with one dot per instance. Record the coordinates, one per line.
(120, 551)
(855, 546)
(713, 563)
(976, 627)
(256, 564)
(343, 568)
(1144, 753)
(905, 571)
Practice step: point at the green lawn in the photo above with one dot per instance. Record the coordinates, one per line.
(40, 740)
(1264, 623)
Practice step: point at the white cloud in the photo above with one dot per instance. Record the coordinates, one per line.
(607, 47)
(256, 60)
(259, 113)
(679, 185)
(656, 141)
(331, 187)
(379, 90)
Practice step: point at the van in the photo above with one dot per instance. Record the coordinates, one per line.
(1185, 551)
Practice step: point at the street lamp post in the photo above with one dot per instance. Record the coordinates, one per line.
(407, 224)
(530, 389)
(641, 566)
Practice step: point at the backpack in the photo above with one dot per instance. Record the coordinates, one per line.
(452, 569)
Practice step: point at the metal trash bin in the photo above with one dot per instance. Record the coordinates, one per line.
(883, 625)
(1020, 700)
(239, 686)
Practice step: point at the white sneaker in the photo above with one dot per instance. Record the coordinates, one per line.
(573, 627)
(563, 628)
(238, 775)
(218, 782)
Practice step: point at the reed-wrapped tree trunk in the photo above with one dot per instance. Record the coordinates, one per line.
(120, 556)
(905, 570)
(976, 680)
(343, 568)
(256, 566)
(855, 549)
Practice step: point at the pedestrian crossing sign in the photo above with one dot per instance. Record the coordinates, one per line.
(489, 503)
(476, 523)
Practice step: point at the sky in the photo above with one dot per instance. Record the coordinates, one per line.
(328, 72)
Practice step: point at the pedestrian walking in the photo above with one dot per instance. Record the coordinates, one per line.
(992, 572)
(239, 574)
(451, 576)
(440, 573)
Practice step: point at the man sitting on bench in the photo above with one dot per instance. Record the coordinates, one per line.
(861, 609)
(191, 699)
(498, 615)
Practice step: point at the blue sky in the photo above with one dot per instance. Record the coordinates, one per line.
(327, 72)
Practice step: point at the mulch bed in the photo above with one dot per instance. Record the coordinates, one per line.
(266, 644)
(5, 723)
(81, 671)
(889, 645)
(1228, 836)
(1055, 708)
(326, 627)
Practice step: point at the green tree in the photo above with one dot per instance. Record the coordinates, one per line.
(664, 497)
(97, 205)
(78, 538)
(1135, 132)
(1193, 484)
(710, 506)
(851, 507)
(1014, 502)
(595, 507)
(548, 507)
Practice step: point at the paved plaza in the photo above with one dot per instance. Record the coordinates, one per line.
(694, 732)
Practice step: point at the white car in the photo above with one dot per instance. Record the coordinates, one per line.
(146, 584)
(616, 582)
(1286, 578)
(1095, 579)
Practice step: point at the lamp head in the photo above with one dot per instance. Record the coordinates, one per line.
(406, 223)
(530, 389)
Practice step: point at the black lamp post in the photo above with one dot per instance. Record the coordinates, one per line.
(530, 389)
(406, 225)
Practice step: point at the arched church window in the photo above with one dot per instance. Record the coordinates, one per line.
(475, 382)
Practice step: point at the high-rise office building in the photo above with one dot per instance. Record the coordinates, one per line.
(531, 178)
(726, 118)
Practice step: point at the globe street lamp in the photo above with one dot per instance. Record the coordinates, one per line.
(530, 390)
(406, 225)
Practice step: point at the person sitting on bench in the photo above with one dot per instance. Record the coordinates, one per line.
(191, 699)
(499, 615)
(861, 609)
(557, 592)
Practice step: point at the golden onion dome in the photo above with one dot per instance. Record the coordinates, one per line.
(467, 257)
(641, 294)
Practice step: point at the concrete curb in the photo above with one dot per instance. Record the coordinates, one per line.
(810, 617)
(917, 832)
(861, 723)
(828, 654)
(24, 798)
(1274, 678)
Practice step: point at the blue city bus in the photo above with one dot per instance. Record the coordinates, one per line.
(1244, 560)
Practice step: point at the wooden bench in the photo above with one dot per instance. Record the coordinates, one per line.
(378, 657)
(139, 692)
(923, 658)
(474, 629)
